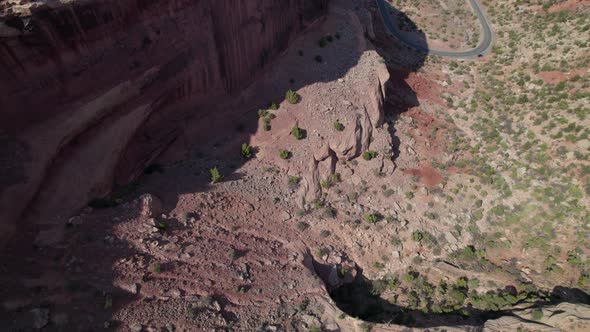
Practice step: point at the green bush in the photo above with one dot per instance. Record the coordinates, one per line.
(417, 235)
(329, 212)
(215, 175)
(284, 154)
(338, 126)
(273, 106)
(266, 124)
(537, 314)
(292, 97)
(190, 313)
(369, 154)
(371, 218)
(262, 113)
(319, 59)
(331, 180)
(246, 151)
(301, 226)
(298, 133)
(294, 180)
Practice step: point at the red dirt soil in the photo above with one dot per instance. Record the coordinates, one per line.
(429, 176)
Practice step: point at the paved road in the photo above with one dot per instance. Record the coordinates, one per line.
(484, 46)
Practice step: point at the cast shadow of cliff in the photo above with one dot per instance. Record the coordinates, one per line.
(362, 298)
(212, 137)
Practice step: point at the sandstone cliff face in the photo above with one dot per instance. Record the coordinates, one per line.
(94, 90)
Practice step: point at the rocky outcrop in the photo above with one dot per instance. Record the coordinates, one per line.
(354, 140)
(92, 91)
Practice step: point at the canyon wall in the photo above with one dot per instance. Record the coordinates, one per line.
(92, 91)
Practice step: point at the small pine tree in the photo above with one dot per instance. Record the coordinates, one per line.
(215, 175)
(246, 151)
(292, 97)
(369, 154)
(284, 154)
(297, 132)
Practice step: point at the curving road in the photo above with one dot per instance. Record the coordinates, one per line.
(484, 46)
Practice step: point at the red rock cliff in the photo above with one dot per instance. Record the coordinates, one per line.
(83, 82)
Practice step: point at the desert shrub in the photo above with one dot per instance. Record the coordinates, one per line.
(301, 226)
(338, 126)
(329, 212)
(292, 97)
(161, 226)
(537, 314)
(232, 254)
(462, 283)
(266, 124)
(322, 42)
(417, 235)
(331, 180)
(284, 154)
(584, 281)
(369, 154)
(456, 297)
(318, 203)
(156, 268)
(298, 133)
(294, 180)
(378, 265)
(262, 113)
(371, 218)
(431, 215)
(190, 313)
(215, 175)
(246, 151)
(409, 276)
(551, 265)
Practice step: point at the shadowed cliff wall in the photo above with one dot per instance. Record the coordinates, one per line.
(92, 90)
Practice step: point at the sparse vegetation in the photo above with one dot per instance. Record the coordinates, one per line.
(284, 154)
(215, 175)
(298, 133)
(369, 154)
(371, 218)
(246, 151)
(292, 97)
